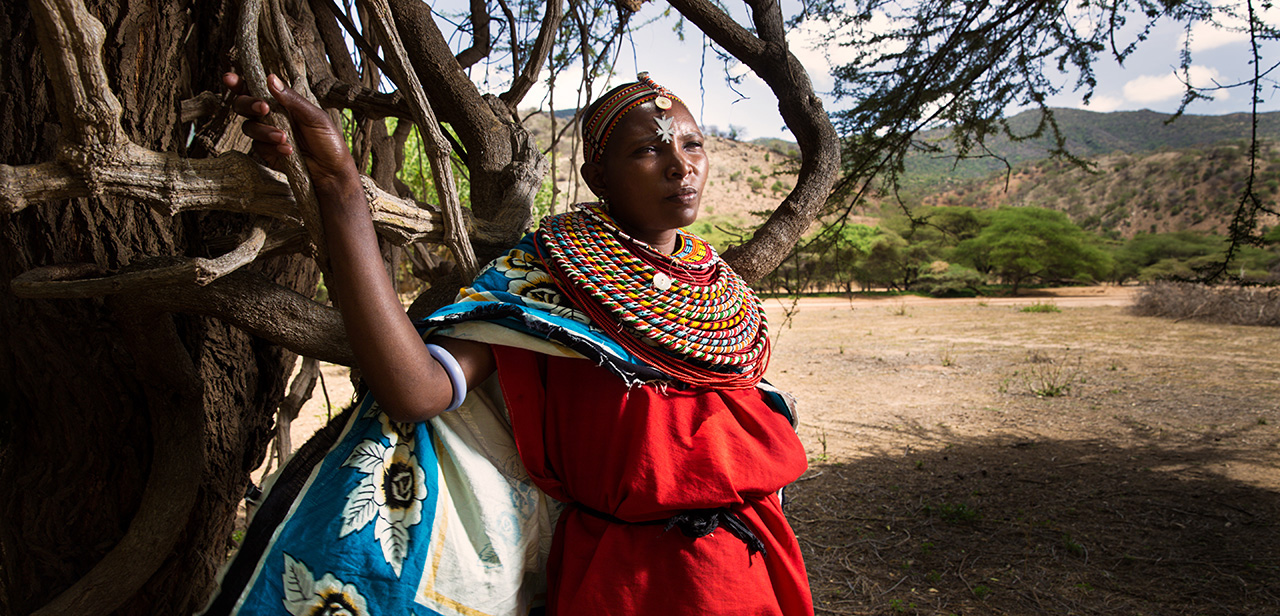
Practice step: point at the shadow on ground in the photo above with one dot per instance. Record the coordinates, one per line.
(996, 525)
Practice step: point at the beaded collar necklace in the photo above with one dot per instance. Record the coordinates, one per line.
(690, 304)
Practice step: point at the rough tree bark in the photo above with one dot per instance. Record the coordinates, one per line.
(77, 401)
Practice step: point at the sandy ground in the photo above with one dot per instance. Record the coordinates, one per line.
(970, 458)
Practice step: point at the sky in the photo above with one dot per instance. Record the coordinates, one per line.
(1148, 79)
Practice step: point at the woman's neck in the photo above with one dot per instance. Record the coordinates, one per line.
(664, 241)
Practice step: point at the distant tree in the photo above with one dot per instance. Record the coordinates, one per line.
(956, 224)
(1024, 244)
(842, 254)
(1178, 253)
(1182, 254)
(893, 262)
(943, 279)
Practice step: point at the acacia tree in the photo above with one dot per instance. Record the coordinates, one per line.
(1021, 244)
(157, 283)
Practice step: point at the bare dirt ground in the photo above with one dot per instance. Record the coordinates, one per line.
(940, 482)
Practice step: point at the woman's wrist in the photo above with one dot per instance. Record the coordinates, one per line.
(341, 187)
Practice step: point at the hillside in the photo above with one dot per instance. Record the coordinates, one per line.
(1193, 188)
(1088, 135)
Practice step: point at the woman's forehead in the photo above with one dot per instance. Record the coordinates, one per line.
(643, 122)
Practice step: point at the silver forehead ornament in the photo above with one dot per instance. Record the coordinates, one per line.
(665, 129)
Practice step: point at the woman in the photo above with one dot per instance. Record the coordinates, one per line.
(628, 360)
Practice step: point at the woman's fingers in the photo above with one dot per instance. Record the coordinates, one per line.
(319, 140)
(264, 133)
(269, 142)
(242, 102)
(300, 109)
(250, 107)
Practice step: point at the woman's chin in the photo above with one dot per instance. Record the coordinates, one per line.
(685, 215)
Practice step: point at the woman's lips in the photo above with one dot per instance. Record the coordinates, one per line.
(687, 194)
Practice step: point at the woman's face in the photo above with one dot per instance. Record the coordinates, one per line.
(653, 185)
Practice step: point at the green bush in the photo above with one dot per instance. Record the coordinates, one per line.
(951, 281)
(1041, 307)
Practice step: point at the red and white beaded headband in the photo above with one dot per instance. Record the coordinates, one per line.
(597, 127)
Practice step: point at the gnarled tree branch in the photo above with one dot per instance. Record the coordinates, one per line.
(172, 184)
(372, 104)
(159, 272)
(537, 56)
(71, 40)
(256, 78)
(245, 299)
(437, 148)
(480, 38)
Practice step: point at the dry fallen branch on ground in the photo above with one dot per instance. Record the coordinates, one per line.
(1234, 305)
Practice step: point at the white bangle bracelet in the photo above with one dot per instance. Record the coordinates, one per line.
(451, 368)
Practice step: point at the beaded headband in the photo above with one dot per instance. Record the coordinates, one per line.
(608, 112)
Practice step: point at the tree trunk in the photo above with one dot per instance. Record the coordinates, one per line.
(79, 396)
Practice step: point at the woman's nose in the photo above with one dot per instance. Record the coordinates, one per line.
(680, 165)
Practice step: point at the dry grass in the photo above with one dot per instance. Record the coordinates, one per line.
(1235, 305)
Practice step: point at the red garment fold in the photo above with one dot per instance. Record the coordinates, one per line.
(644, 454)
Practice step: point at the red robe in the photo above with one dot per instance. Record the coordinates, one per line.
(642, 454)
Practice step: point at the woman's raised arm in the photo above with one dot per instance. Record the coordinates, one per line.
(409, 384)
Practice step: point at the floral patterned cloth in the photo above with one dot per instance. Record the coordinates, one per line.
(434, 518)
(429, 518)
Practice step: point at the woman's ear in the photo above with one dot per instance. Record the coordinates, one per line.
(593, 174)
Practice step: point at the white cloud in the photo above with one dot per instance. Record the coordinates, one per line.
(816, 44)
(1156, 88)
(1104, 104)
(1231, 27)
(1207, 36)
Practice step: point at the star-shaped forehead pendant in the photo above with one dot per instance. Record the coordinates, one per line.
(665, 130)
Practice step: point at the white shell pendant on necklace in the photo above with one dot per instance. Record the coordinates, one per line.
(661, 281)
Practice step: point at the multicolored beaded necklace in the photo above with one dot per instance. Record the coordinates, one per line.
(690, 304)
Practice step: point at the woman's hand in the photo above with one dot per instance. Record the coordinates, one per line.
(409, 384)
(320, 142)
